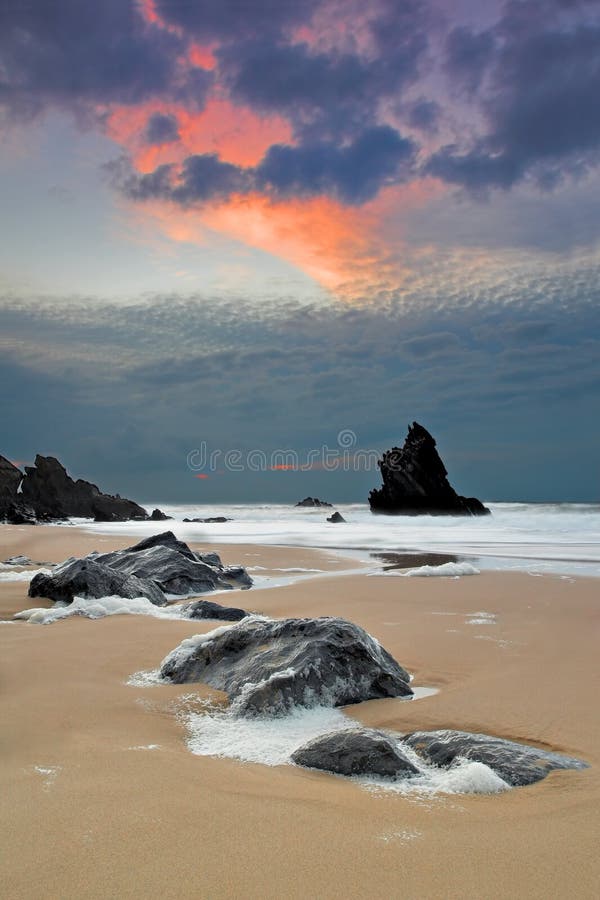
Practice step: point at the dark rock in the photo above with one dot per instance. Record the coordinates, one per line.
(312, 501)
(157, 515)
(19, 514)
(210, 519)
(517, 764)
(10, 479)
(53, 493)
(355, 751)
(156, 566)
(271, 666)
(206, 609)
(89, 578)
(336, 517)
(415, 481)
(174, 572)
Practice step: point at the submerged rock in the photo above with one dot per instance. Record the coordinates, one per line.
(51, 492)
(156, 566)
(271, 666)
(415, 481)
(336, 517)
(211, 519)
(355, 751)
(206, 609)
(517, 764)
(90, 579)
(312, 501)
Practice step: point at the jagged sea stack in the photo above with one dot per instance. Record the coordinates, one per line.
(415, 482)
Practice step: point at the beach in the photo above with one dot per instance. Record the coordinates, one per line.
(103, 798)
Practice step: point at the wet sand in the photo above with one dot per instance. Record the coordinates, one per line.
(87, 812)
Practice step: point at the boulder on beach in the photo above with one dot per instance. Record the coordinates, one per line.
(154, 567)
(271, 666)
(355, 751)
(312, 501)
(91, 579)
(517, 764)
(206, 609)
(415, 481)
(52, 493)
(335, 518)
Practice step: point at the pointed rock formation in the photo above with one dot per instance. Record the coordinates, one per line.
(415, 482)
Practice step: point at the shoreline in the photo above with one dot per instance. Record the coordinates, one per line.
(105, 815)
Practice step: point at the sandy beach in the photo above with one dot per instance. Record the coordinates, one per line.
(103, 798)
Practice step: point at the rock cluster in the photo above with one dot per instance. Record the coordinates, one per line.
(45, 492)
(312, 501)
(415, 481)
(271, 666)
(154, 568)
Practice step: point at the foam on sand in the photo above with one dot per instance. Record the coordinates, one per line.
(98, 608)
(447, 570)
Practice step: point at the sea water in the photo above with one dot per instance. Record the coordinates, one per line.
(559, 538)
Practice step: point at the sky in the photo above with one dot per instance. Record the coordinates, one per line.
(244, 243)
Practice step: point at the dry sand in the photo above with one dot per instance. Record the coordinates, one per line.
(86, 813)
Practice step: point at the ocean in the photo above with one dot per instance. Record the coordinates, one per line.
(555, 538)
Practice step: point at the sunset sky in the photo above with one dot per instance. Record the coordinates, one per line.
(259, 223)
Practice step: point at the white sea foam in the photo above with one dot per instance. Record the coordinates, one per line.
(481, 618)
(10, 574)
(447, 570)
(98, 608)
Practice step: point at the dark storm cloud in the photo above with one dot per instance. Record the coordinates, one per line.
(71, 53)
(333, 92)
(540, 98)
(161, 129)
(230, 19)
(352, 173)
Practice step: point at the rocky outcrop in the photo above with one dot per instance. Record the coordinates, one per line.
(153, 568)
(91, 579)
(206, 609)
(157, 515)
(517, 764)
(51, 492)
(355, 751)
(312, 501)
(12, 509)
(415, 481)
(335, 518)
(269, 666)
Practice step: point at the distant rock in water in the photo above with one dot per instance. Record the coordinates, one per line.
(517, 764)
(211, 519)
(355, 751)
(271, 666)
(153, 568)
(157, 515)
(336, 517)
(312, 501)
(52, 493)
(415, 481)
